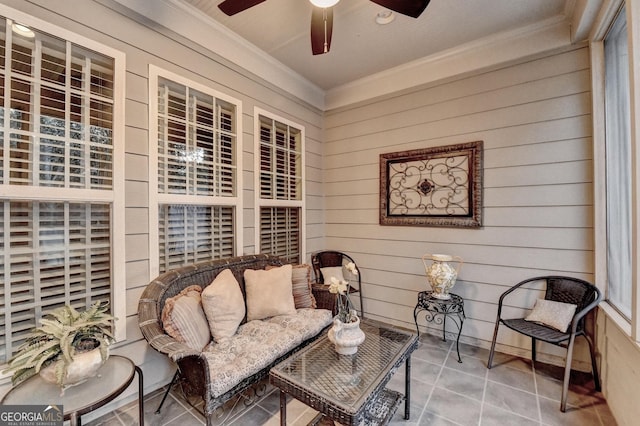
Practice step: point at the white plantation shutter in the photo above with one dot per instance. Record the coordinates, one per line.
(280, 182)
(56, 132)
(59, 107)
(280, 161)
(192, 234)
(280, 232)
(195, 143)
(197, 173)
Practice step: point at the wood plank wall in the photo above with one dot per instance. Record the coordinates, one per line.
(620, 371)
(144, 45)
(535, 120)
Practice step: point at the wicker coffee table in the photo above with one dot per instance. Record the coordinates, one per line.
(349, 389)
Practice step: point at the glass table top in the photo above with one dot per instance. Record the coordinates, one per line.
(112, 378)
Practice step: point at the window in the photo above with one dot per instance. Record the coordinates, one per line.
(618, 165)
(616, 112)
(61, 202)
(280, 187)
(195, 156)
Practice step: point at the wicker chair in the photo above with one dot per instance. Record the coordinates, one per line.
(560, 289)
(328, 258)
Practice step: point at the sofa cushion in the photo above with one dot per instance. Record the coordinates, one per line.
(223, 305)
(269, 292)
(184, 320)
(301, 286)
(257, 344)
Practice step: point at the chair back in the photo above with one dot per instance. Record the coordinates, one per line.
(572, 290)
(325, 259)
(329, 258)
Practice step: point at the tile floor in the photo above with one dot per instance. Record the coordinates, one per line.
(444, 392)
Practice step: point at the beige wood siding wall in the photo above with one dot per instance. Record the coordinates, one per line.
(148, 45)
(534, 118)
(620, 369)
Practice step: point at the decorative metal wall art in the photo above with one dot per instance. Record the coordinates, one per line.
(440, 186)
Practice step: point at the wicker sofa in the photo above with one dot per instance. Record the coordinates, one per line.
(220, 371)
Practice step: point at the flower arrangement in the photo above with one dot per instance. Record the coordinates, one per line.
(340, 287)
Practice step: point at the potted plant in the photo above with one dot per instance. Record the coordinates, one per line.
(345, 334)
(67, 348)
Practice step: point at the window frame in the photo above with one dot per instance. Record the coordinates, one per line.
(260, 202)
(115, 197)
(605, 19)
(156, 198)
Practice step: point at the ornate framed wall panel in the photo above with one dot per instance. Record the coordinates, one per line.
(439, 186)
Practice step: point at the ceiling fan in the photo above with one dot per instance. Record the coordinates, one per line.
(322, 16)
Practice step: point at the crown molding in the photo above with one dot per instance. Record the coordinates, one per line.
(210, 34)
(583, 14)
(489, 51)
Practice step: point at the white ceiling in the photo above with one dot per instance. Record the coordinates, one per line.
(360, 47)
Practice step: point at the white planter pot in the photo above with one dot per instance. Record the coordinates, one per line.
(84, 366)
(346, 337)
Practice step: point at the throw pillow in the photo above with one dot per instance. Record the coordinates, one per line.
(184, 320)
(557, 315)
(223, 305)
(332, 271)
(301, 286)
(269, 293)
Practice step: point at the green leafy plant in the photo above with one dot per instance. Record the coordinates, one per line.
(62, 334)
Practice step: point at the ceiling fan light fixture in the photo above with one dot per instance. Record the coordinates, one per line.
(324, 3)
(385, 17)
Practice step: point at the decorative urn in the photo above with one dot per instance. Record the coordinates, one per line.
(440, 274)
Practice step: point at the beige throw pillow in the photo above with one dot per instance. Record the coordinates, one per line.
(301, 286)
(184, 320)
(223, 305)
(557, 315)
(269, 293)
(332, 271)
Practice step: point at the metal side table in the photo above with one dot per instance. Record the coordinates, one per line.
(113, 378)
(438, 310)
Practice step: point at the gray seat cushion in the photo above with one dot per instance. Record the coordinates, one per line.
(259, 343)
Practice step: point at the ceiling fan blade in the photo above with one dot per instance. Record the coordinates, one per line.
(413, 8)
(231, 7)
(321, 29)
